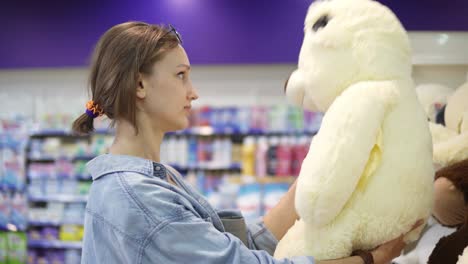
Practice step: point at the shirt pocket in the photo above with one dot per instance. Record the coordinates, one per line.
(234, 224)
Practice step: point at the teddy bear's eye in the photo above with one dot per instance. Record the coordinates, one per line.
(321, 23)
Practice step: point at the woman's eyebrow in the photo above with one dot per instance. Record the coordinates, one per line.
(185, 66)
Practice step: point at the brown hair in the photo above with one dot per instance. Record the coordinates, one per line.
(121, 54)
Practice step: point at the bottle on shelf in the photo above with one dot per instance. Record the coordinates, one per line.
(248, 156)
(192, 152)
(261, 157)
(182, 151)
(272, 156)
(283, 153)
(172, 150)
(299, 153)
(218, 161)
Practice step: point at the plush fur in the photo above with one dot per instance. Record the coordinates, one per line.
(463, 258)
(451, 141)
(433, 97)
(368, 175)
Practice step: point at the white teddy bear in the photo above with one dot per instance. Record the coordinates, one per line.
(451, 141)
(433, 97)
(368, 176)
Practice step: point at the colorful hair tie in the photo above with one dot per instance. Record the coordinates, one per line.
(93, 110)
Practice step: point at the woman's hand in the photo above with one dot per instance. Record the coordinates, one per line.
(392, 249)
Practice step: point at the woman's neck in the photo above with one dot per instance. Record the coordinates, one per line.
(146, 144)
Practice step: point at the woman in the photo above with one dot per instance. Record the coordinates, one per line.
(139, 210)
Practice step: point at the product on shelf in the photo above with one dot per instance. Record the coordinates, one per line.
(261, 157)
(272, 156)
(16, 248)
(58, 185)
(256, 119)
(272, 193)
(4, 210)
(248, 156)
(18, 212)
(54, 256)
(259, 118)
(71, 232)
(13, 207)
(74, 212)
(13, 138)
(249, 201)
(186, 152)
(50, 233)
(3, 247)
(299, 152)
(284, 157)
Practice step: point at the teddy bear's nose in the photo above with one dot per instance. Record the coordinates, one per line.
(286, 84)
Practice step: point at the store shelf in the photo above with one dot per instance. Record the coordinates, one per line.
(66, 133)
(9, 227)
(232, 167)
(262, 180)
(83, 158)
(47, 159)
(56, 133)
(226, 131)
(12, 188)
(83, 177)
(194, 131)
(64, 198)
(53, 223)
(54, 244)
(77, 177)
(41, 159)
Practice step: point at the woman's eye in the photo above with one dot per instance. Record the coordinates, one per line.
(181, 75)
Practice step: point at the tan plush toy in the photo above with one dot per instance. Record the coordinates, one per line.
(451, 185)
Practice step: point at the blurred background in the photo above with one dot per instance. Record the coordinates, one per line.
(246, 143)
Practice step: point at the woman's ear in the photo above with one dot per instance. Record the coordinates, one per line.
(141, 88)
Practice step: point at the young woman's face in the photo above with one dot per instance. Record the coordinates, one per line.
(168, 92)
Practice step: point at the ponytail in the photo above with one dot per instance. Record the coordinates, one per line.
(83, 125)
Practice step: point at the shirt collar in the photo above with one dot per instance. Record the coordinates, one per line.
(110, 163)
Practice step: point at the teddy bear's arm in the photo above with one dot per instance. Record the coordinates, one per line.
(451, 150)
(341, 150)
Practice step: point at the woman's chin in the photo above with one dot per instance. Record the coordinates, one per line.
(181, 124)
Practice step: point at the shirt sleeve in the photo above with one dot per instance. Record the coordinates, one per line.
(190, 239)
(260, 237)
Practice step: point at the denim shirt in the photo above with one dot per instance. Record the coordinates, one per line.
(134, 215)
